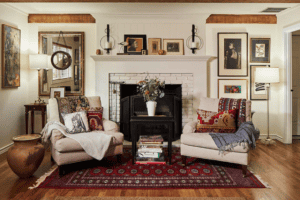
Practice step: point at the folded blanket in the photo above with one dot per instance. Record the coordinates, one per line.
(94, 143)
(246, 133)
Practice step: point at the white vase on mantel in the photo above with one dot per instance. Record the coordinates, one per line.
(151, 107)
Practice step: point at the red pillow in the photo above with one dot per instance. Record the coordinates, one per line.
(95, 120)
(213, 122)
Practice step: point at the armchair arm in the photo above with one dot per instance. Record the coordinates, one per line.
(110, 126)
(190, 127)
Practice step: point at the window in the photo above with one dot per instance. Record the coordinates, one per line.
(62, 74)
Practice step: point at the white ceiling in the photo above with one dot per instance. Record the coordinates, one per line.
(148, 8)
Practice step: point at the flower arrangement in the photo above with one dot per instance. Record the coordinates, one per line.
(151, 89)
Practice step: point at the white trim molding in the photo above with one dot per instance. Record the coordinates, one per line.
(287, 38)
(274, 137)
(5, 148)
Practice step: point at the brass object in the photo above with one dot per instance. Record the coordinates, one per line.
(98, 52)
(161, 52)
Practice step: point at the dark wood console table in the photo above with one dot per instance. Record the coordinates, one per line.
(34, 107)
(141, 125)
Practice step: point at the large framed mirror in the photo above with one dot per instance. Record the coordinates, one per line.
(72, 78)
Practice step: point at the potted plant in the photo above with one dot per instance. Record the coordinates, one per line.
(151, 89)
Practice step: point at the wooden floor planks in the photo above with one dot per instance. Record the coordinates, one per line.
(278, 165)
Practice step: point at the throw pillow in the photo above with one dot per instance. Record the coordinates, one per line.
(64, 107)
(76, 122)
(95, 120)
(222, 122)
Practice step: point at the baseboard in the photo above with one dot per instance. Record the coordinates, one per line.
(274, 137)
(5, 148)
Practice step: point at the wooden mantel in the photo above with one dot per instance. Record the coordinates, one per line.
(150, 58)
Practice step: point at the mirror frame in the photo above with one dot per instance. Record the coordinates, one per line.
(82, 62)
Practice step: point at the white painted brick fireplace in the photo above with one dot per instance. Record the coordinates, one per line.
(189, 71)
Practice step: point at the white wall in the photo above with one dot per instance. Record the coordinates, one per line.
(260, 107)
(12, 101)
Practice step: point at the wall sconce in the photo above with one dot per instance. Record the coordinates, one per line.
(108, 40)
(194, 42)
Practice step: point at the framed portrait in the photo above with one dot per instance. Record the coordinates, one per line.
(258, 91)
(173, 46)
(11, 42)
(260, 50)
(57, 92)
(44, 45)
(154, 45)
(233, 88)
(136, 43)
(232, 54)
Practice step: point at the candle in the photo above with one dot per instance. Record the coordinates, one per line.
(194, 45)
(108, 45)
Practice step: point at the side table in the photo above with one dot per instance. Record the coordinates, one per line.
(34, 107)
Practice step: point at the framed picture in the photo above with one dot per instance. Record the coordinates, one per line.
(232, 54)
(258, 91)
(57, 92)
(136, 43)
(144, 52)
(44, 45)
(260, 50)
(11, 42)
(233, 88)
(154, 45)
(173, 46)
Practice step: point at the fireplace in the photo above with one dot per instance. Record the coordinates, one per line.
(132, 105)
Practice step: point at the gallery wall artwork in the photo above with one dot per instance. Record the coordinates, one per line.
(258, 91)
(260, 50)
(11, 42)
(173, 46)
(233, 88)
(154, 45)
(232, 54)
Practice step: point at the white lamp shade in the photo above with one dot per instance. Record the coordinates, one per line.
(267, 75)
(38, 61)
(50, 66)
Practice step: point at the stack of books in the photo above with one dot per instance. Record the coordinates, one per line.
(150, 150)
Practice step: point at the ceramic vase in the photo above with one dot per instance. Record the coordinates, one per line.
(25, 156)
(151, 107)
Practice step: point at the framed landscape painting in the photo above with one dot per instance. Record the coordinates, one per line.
(233, 88)
(136, 43)
(232, 54)
(11, 42)
(258, 91)
(173, 46)
(260, 50)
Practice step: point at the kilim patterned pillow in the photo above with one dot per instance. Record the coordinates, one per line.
(95, 120)
(213, 122)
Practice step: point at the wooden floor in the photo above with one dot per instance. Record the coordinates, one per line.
(279, 165)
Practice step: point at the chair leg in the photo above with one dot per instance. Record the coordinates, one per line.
(52, 160)
(183, 161)
(244, 170)
(119, 158)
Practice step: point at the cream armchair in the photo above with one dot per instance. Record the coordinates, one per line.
(201, 145)
(67, 151)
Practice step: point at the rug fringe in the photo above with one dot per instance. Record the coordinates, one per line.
(260, 179)
(43, 178)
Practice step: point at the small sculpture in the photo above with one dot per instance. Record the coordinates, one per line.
(161, 52)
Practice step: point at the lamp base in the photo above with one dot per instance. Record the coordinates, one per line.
(267, 141)
(39, 101)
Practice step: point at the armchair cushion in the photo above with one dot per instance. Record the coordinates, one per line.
(222, 122)
(110, 126)
(69, 145)
(204, 140)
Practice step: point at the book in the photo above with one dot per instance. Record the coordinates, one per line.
(150, 163)
(145, 150)
(151, 139)
(149, 154)
(161, 158)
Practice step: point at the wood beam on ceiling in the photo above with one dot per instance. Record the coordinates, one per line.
(241, 19)
(61, 18)
(155, 1)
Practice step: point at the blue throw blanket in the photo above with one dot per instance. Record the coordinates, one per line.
(246, 133)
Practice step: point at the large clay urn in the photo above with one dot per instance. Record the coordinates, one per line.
(26, 155)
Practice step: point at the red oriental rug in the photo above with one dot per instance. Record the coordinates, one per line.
(109, 174)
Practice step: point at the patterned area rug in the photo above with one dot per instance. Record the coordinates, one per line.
(109, 174)
(150, 198)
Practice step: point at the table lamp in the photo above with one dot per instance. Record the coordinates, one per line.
(267, 75)
(38, 62)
